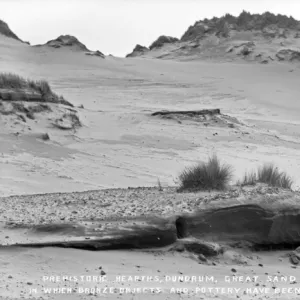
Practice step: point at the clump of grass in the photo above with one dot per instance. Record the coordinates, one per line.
(15, 82)
(268, 174)
(41, 86)
(211, 175)
(12, 81)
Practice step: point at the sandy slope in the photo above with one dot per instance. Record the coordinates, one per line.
(120, 145)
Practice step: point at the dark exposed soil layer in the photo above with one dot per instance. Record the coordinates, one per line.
(261, 220)
(208, 117)
(189, 112)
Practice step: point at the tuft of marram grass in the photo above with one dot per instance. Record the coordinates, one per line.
(211, 175)
(41, 86)
(13, 81)
(248, 179)
(268, 174)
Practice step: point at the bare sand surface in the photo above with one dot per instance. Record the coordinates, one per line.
(121, 145)
(33, 273)
(120, 94)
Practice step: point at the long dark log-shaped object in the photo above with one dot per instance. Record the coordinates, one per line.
(188, 112)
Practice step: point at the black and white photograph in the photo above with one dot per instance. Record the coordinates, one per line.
(149, 149)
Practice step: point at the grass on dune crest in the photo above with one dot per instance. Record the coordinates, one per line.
(15, 82)
(270, 175)
(212, 175)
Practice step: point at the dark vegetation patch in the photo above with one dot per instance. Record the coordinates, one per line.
(245, 21)
(162, 40)
(268, 174)
(16, 88)
(210, 175)
(67, 41)
(5, 30)
(138, 50)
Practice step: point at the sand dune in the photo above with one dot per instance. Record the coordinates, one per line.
(120, 94)
(122, 144)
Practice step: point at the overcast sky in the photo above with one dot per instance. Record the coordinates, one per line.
(116, 26)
